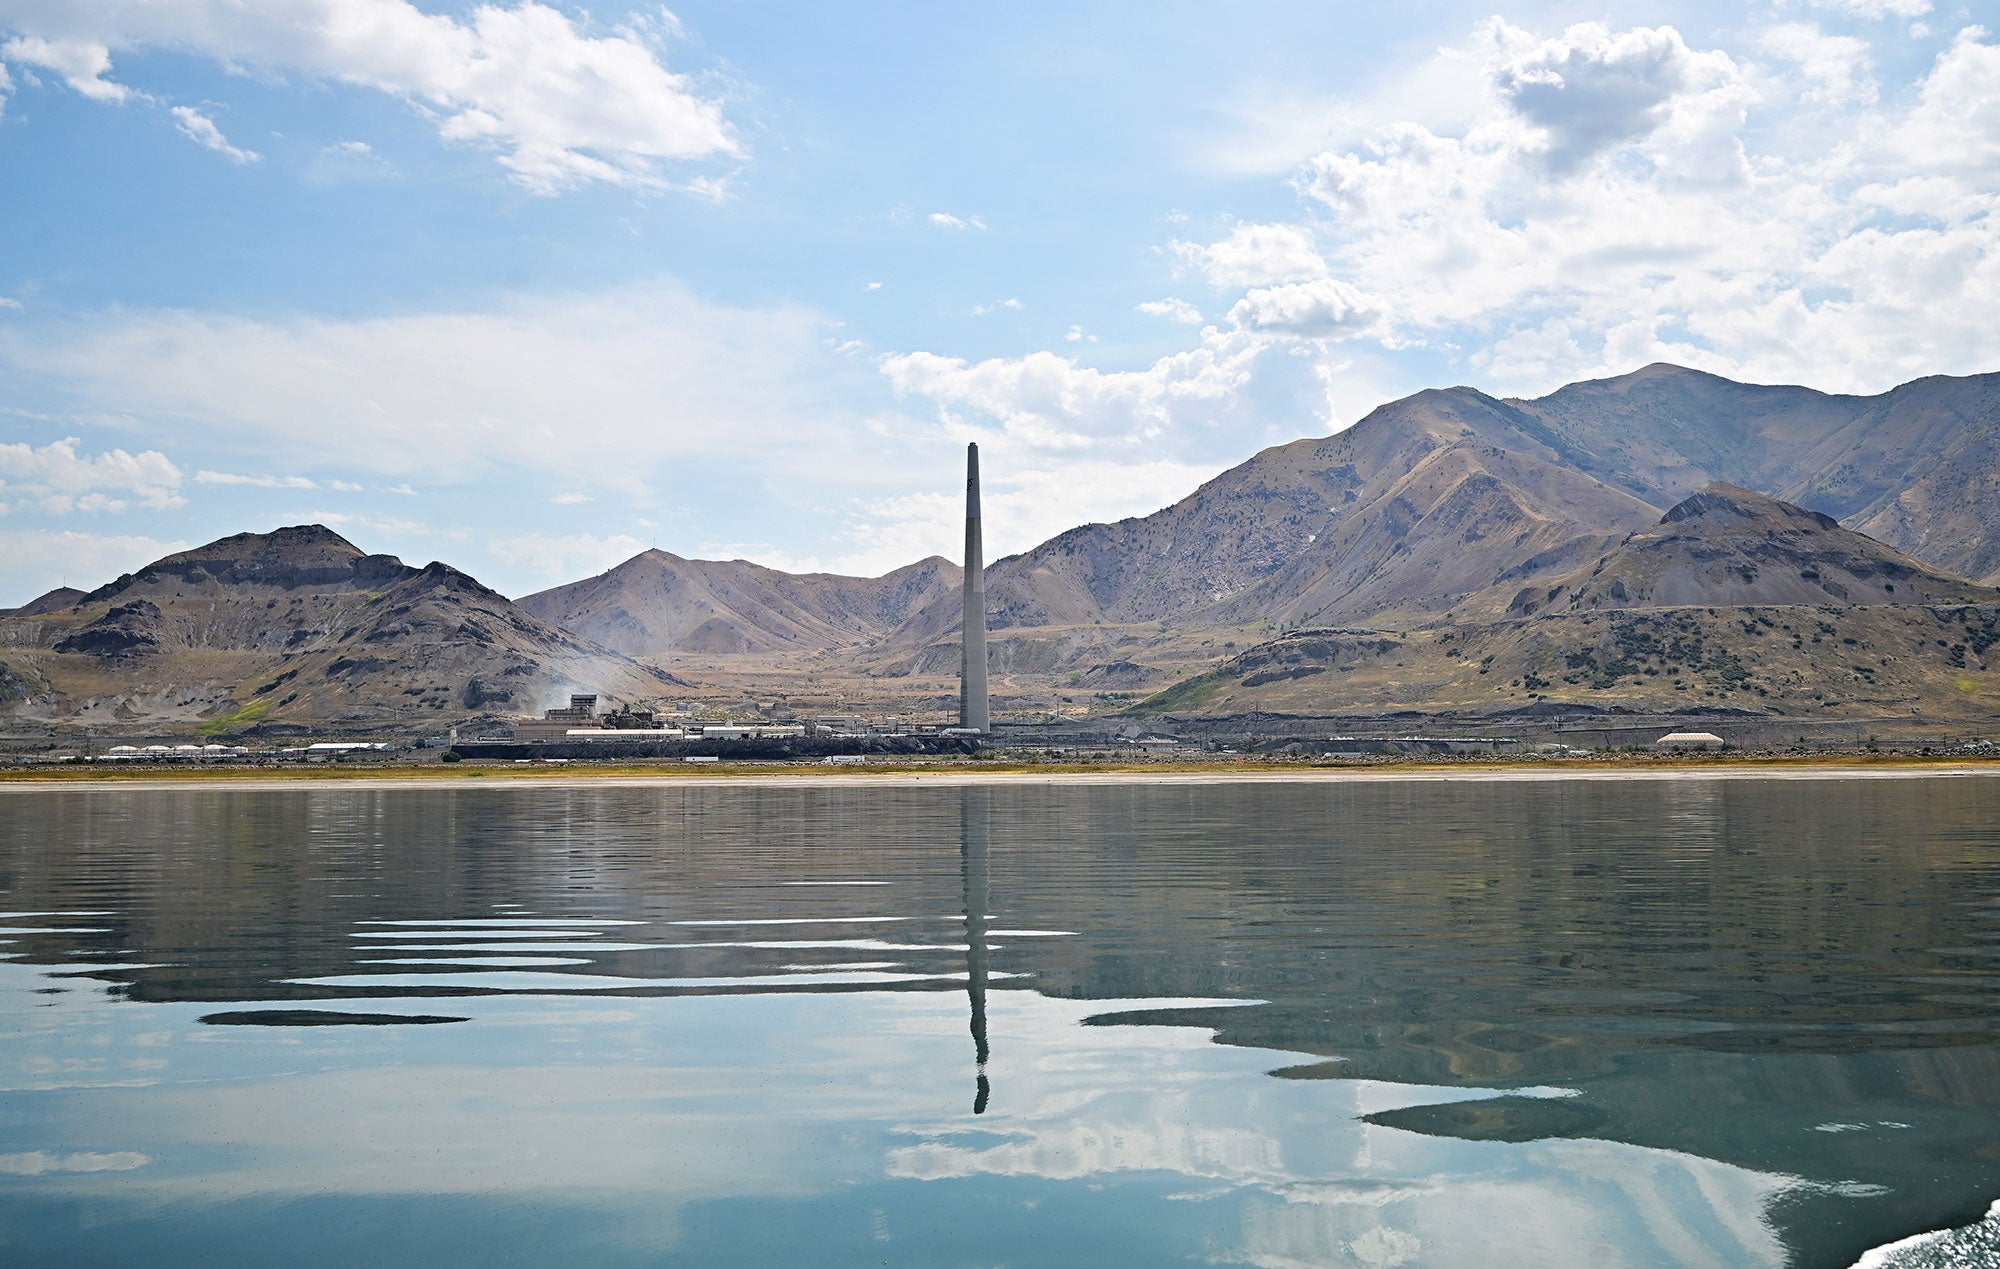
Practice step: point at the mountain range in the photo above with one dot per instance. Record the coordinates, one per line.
(1733, 600)
(297, 624)
(1444, 522)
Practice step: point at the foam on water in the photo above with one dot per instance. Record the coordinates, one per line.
(1975, 1246)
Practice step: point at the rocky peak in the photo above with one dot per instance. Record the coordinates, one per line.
(1721, 501)
(298, 555)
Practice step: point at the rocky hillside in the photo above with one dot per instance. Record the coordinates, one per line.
(1426, 500)
(297, 625)
(1732, 599)
(657, 602)
(1917, 467)
(1728, 546)
(53, 601)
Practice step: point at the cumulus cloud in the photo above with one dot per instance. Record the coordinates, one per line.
(1253, 255)
(1835, 67)
(1056, 405)
(82, 64)
(57, 479)
(1955, 126)
(200, 129)
(1322, 308)
(1593, 88)
(559, 106)
(1556, 241)
(1174, 310)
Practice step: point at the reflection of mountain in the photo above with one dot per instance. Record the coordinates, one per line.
(1799, 960)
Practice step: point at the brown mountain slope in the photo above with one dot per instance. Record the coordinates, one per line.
(1426, 500)
(1710, 607)
(53, 601)
(297, 625)
(1453, 501)
(1729, 546)
(657, 602)
(1917, 467)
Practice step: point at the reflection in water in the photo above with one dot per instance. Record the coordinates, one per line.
(975, 809)
(1643, 1022)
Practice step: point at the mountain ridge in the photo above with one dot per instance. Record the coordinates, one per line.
(297, 625)
(1680, 614)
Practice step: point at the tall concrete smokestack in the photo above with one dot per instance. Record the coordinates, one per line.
(972, 710)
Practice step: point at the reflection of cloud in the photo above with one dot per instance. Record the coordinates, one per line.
(40, 1162)
(787, 1099)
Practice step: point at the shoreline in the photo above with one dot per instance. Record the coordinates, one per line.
(509, 777)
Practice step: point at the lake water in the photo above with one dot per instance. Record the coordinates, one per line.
(1643, 1022)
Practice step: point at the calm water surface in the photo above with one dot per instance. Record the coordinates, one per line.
(1645, 1022)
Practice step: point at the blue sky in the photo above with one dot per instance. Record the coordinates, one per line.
(531, 287)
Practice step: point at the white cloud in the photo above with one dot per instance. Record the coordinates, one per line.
(1593, 88)
(200, 129)
(344, 486)
(206, 477)
(1321, 308)
(565, 558)
(1586, 241)
(1051, 403)
(1078, 335)
(10, 303)
(1955, 126)
(1835, 67)
(83, 64)
(583, 391)
(57, 479)
(1174, 310)
(981, 310)
(571, 498)
(945, 220)
(562, 108)
(1253, 255)
(36, 561)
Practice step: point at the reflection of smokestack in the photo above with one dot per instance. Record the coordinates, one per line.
(974, 809)
(972, 711)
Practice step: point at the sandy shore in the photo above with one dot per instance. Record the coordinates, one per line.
(543, 778)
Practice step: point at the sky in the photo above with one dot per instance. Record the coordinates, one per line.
(532, 287)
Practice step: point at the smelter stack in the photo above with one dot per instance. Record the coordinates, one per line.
(972, 713)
